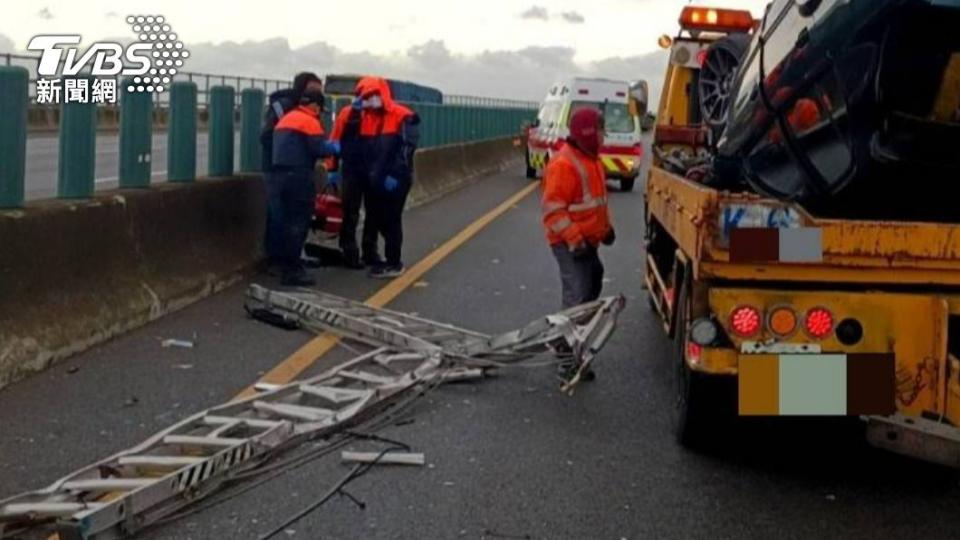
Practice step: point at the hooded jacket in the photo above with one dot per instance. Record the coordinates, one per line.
(575, 199)
(376, 143)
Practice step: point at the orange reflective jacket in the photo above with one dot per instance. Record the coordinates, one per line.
(575, 199)
(373, 128)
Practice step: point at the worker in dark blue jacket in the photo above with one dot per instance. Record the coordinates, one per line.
(298, 143)
(280, 103)
(379, 138)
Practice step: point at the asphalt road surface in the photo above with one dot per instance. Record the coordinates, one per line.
(43, 152)
(509, 457)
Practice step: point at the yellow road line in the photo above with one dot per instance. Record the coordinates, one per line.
(306, 356)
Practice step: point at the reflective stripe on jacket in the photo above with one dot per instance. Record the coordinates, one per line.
(298, 140)
(575, 199)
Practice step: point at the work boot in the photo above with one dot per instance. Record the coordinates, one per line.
(269, 267)
(353, 262)
(567, 369)
(373, 261)
(387, 271)
(298, 279)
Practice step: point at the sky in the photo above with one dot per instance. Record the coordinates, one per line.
(497, 48)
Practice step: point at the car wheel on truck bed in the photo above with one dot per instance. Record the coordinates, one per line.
(705, 404)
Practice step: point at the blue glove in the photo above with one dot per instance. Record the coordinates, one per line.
(333, 179)
(391, 184)
(357, 104)
(334, 147)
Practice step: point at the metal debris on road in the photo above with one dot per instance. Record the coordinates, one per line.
(156, 480)
(181, 343)
(392, 458)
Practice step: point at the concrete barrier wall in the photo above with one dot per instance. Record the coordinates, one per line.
(74, 274)
(441, 170)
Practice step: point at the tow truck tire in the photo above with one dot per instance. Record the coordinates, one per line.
(531, 172)
(626, 184)
(703, 401)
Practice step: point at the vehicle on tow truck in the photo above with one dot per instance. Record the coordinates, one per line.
(774, 309)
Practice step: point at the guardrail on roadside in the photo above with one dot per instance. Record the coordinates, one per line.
(460, 119)
(205, 81)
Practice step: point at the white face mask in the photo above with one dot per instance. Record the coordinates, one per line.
(373, 102)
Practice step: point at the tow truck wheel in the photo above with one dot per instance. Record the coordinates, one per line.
(626, 184)
(531, 172)
(702, 408)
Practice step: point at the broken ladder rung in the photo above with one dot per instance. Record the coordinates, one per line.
(46, 509)
(189, 440)
(107, 484)
(160, 462)
(363, 376)
(335, 395)
(258, 423)
(298, 412)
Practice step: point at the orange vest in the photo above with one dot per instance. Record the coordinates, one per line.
(575, 199)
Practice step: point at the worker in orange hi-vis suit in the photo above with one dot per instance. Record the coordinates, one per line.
(575, 212)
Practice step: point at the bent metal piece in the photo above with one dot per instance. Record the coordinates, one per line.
(122, 494)
(581, 331)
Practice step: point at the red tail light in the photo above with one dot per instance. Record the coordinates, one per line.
(819, 323)
(702, 57)
(745, 321)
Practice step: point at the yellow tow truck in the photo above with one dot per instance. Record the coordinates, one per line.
(775, 311)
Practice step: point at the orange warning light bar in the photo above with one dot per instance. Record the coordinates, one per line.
(716, 20)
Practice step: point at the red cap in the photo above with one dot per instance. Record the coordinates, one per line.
(584, 128)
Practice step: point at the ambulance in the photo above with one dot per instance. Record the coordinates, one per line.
(621, 104)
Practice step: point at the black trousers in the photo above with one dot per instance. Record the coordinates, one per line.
(273, 236)
(386, 210)
(296, 193)
(355, 193)
(581, 278)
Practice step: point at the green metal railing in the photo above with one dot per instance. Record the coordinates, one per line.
(443, 124)
(226, 108)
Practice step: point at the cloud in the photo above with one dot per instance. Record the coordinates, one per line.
(536, 12)
(523, 74)
(45, 14)
(6, 44)
(573, 17)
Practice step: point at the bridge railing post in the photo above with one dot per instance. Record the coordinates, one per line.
(136, 134)
(221, 127)
(78, 150)
(251, 113)
(14, 100)
(182, 133)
